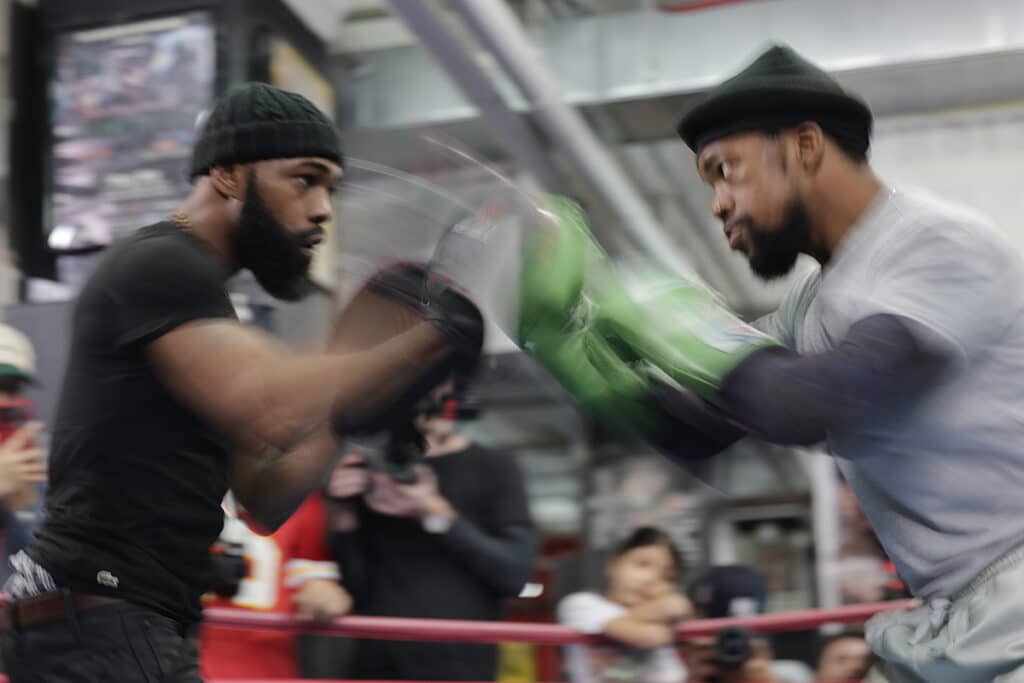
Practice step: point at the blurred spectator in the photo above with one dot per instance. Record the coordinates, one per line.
(843, 657)
(22, 465)
(735, 655)
(863, 572)
(452, 544)
(637, 613)
(289, 571)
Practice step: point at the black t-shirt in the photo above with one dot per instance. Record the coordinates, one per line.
(136, 479)
(393, 567)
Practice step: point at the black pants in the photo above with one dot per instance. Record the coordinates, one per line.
(119, 643)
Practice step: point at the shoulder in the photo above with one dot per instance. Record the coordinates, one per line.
(162, 250)
(933, 228)
(783, 323)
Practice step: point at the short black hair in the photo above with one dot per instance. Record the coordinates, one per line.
(853, 146)
(647, 536)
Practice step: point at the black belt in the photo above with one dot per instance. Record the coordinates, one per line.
(48, 608)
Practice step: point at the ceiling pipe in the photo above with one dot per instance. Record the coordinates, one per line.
(697, 5)
(501, 32)
(511, 132)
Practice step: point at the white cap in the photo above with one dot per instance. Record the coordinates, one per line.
(17, 357)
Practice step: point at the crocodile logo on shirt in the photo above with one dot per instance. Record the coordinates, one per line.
(105, 578)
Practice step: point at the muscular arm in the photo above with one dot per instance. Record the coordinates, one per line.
(277, 406)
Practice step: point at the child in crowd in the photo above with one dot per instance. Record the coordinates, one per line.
(636, 614)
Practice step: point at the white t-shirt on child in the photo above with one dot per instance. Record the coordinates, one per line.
(612, 662)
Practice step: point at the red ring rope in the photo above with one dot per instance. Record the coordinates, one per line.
(442, 630)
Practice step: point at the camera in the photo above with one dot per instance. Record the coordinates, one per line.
(733, 647)
(396, 450)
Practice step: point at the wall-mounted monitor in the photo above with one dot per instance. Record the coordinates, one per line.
(124, 104)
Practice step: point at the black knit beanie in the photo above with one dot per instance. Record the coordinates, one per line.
(778, 90)
(257, 121)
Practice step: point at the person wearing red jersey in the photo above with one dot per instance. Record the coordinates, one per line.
(289, 571)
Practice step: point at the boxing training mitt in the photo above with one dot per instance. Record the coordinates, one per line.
(391, 302)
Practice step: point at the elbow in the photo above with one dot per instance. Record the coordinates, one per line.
(693, 449)
(269, 520)
(269, 516)
(511, 583)
(790, 432)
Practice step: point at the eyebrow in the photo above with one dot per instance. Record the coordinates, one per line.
(709, 161)
(322, 168)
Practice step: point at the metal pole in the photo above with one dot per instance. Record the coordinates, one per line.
(499, 30)
(511, 132)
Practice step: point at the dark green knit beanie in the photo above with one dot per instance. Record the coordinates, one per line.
(779, 89)
(257, 121)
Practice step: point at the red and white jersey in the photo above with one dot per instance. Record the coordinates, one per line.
(278, 564)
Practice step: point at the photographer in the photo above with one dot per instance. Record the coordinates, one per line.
(452, 542)
(732, 655)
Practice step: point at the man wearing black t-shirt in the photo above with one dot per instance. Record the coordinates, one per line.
(168, 400)
(453, 545)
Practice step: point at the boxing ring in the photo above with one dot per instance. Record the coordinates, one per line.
(450, 630)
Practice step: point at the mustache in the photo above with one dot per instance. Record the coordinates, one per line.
(307, 234)
(744, 222)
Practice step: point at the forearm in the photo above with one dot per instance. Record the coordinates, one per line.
(787, 398)
(638, 633)
(687, 428)
(291, 398)
(504, 562)
(653, 612)
(271, 484)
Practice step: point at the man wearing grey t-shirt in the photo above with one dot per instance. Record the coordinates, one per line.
(903, 352)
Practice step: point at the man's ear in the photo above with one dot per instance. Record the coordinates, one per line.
(228, 181)
(810, 146)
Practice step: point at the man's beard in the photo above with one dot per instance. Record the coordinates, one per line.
(773, 253)
(269, 251)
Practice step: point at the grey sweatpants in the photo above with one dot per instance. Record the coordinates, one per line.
(975, 636)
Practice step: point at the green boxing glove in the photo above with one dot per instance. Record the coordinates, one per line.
(680, 328)
(602, 383)
(569, 286)
(556, 319)
(554, 262)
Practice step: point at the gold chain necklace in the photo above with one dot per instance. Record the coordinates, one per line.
(180, 219)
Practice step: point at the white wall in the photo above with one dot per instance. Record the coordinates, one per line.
(973, 156)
